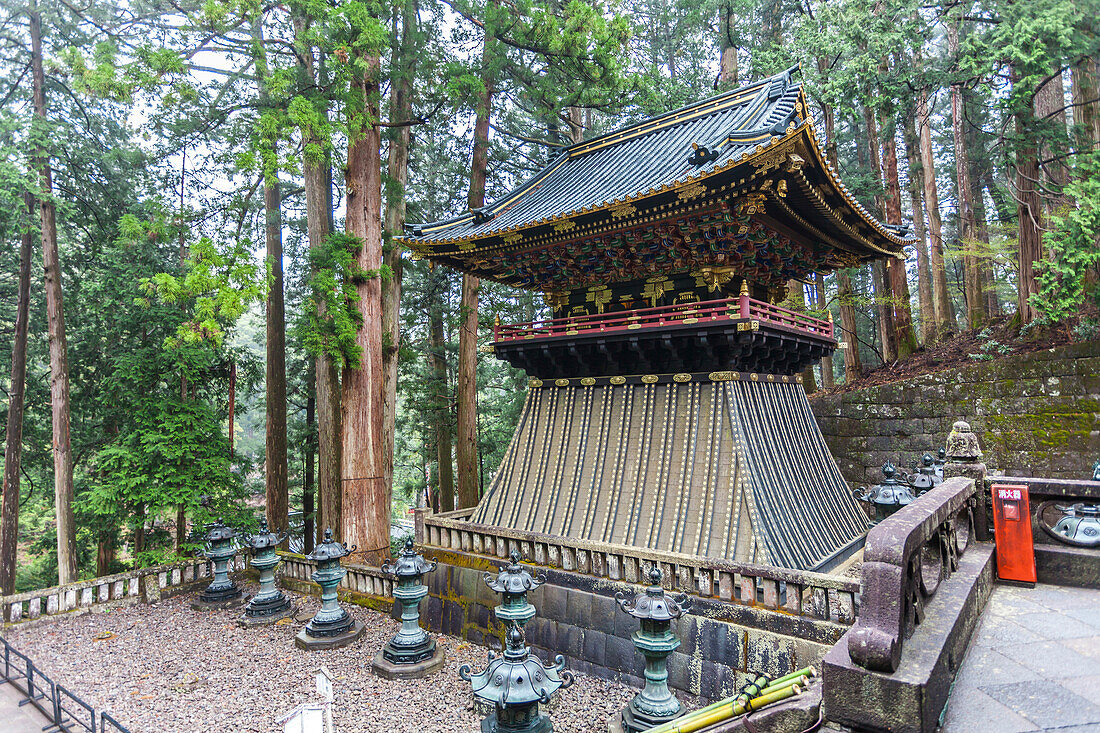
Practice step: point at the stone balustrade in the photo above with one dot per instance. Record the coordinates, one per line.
(792, 592)
(141, 585)
(905, 559)
(359, 579)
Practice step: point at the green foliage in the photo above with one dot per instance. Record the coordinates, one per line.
(1068, 277)
(331, 318)
(220, 283)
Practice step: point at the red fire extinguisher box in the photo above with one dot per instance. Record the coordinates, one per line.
(1012, 531)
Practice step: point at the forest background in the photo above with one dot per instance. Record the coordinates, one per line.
(205, 311)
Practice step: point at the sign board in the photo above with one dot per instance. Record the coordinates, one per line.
(308, 718)
(324, 683)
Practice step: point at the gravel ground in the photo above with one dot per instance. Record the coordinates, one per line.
(168, 668)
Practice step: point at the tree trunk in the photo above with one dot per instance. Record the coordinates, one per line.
(466, 439)
(1086, 108)
(975, 299)
(924, 275)
(943, 311)
(13, 448)
(366, 498)
(139, 530)
(277, 503)
(880, 284)
(905, 338)
(397, 168)
(727, 60)
(828, 117)
(308, 519)
(55, 317)
(1050, 109)
(989, 285)
(275, 453)
(1030, 211)
(317, 179)
(437, 362)
(853, 367)
(106, 551)
(827, 381)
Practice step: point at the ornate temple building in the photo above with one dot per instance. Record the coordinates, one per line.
(665, 407)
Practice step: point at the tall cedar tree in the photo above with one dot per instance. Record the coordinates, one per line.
(466, 440)
(13, 449)
(317, 181)
(55, 315)
(366, 497)
(277, 502)
(403, 65)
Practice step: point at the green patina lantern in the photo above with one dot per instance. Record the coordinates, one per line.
(887, 497)
(516, 683)
(221, 548)
(655, 610)
(411, 652)
(269, 605)
(332, 626)
(513, 583)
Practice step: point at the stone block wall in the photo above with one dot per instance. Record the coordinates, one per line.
(721, 643)
(1036, 414)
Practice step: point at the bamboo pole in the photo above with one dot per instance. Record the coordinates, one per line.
(723, 711)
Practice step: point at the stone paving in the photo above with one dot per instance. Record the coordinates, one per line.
(16, 718)
(1033, 664)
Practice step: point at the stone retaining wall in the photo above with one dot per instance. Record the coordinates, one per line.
(1036, 414)
(145, 585)
(722, 643)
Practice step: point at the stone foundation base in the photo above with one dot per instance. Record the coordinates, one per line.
(200, 605)
(387, 669)
(311, 643)
(250, 621)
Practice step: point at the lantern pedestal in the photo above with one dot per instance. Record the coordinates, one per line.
(411, 652)
(268, 619)
(308, 642)
(202, 605)
(655, 610)
(383, 667)
(222, 591)
(270, 604)
(332, 626)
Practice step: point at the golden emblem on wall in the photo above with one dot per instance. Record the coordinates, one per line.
(691, 191)
(512, 237)
(466, 246)
(754, 377)
(534, 383)
(681, 378)
(649, 379)
(655, 289)
(600, 295)
(556, 299)
(562, 382)
(622, 211)
(565, 226)
(618, 380)
(588, 381)
(721, 376)
(769, 162)
(713, 277)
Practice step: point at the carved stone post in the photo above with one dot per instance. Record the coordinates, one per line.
(963, 456)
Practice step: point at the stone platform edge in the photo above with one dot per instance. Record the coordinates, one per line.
(911, 699)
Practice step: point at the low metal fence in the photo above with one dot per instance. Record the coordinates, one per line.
(66, 712)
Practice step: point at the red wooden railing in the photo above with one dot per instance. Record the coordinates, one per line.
(741, 308)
